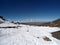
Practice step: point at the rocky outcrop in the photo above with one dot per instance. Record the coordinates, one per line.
(1, 19)
(56, 34)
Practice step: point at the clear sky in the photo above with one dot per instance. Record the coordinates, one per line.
(43, 10)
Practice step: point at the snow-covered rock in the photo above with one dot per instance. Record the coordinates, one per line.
(1, 21)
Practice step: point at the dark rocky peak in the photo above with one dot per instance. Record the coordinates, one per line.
(1, 17)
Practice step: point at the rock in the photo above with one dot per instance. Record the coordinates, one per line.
(56, 34)
(1, 19)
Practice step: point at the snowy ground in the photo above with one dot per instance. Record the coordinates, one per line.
(27, 35)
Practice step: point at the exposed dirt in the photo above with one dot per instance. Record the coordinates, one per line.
(46, 39)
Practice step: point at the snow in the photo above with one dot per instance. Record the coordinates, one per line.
(27, 35)
(5, 24)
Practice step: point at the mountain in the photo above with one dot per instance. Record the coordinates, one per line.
(55, 23)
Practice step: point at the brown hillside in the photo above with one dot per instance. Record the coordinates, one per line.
(55, 23)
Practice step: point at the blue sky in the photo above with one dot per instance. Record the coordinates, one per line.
(43, 10)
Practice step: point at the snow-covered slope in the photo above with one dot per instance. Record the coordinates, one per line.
(27, 35)
(7, 23)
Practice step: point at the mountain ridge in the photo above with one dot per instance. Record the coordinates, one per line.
(55, 23)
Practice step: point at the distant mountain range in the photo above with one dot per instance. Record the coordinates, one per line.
(55, 23)
(33, 23)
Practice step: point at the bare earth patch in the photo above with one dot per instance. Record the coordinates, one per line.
(46, 39)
